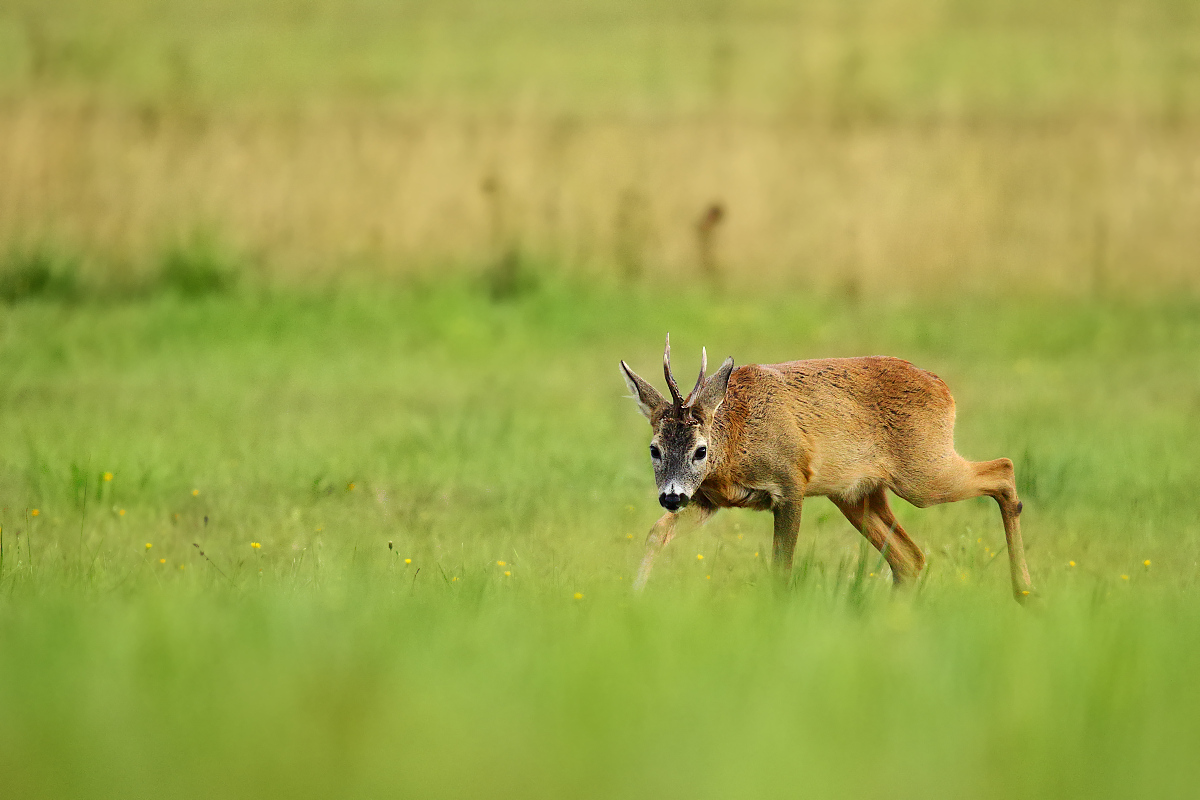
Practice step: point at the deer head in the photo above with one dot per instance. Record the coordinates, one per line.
(682, 426)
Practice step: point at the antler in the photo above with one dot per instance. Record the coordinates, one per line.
(671, 384)
(680, 402)
(695, 392)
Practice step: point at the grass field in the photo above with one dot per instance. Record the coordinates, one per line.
(316, 474)
(351, 431)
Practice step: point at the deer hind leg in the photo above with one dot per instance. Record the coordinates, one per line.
(996, 479)
(663, 532)
(872, 516)
(905, 547)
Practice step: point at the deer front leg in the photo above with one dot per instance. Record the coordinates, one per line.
(787, 528)
(663, 532)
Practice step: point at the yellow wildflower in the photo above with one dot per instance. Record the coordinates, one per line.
(699, 556)
(708, 577)
(121, 513)
(195, 492)
(499, 563)
(162, 561)
(256, 545)
(350, 487)
(148, 545)
(408, 561)
(507, 573)
(579, 595)
(1070, 563)
(33, 512)
(1146, 563)
(108, 476)
(1124, 577)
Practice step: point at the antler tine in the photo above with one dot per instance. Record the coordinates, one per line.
(695, 392)
(671, 384)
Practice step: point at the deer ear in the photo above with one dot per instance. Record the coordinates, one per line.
(648, 398)
(713, 393)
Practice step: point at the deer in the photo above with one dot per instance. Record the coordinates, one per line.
(767, 436)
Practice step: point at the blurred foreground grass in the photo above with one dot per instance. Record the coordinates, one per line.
(465, 432)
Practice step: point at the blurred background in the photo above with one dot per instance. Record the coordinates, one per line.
(858, 146)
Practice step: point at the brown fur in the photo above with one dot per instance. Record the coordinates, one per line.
(850, 429)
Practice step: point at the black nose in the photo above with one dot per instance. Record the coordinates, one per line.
(673, 502)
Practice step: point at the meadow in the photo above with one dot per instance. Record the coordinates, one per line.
(450, 493)
(317, 477)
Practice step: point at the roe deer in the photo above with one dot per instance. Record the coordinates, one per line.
(765, 436)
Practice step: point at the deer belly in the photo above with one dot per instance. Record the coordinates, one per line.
(848, 484)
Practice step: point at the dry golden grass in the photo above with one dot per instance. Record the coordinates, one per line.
(1075, 207)
(874, 146)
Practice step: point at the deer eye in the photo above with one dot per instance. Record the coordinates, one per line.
(655, 453)
(700, 454)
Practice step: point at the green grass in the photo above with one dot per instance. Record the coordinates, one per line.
(475, 431)
(390, 446)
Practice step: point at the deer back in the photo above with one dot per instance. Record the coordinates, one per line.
(827, 426)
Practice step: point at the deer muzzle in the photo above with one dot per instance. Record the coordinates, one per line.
(672, 501)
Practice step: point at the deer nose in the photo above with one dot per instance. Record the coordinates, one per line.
(672, 501)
